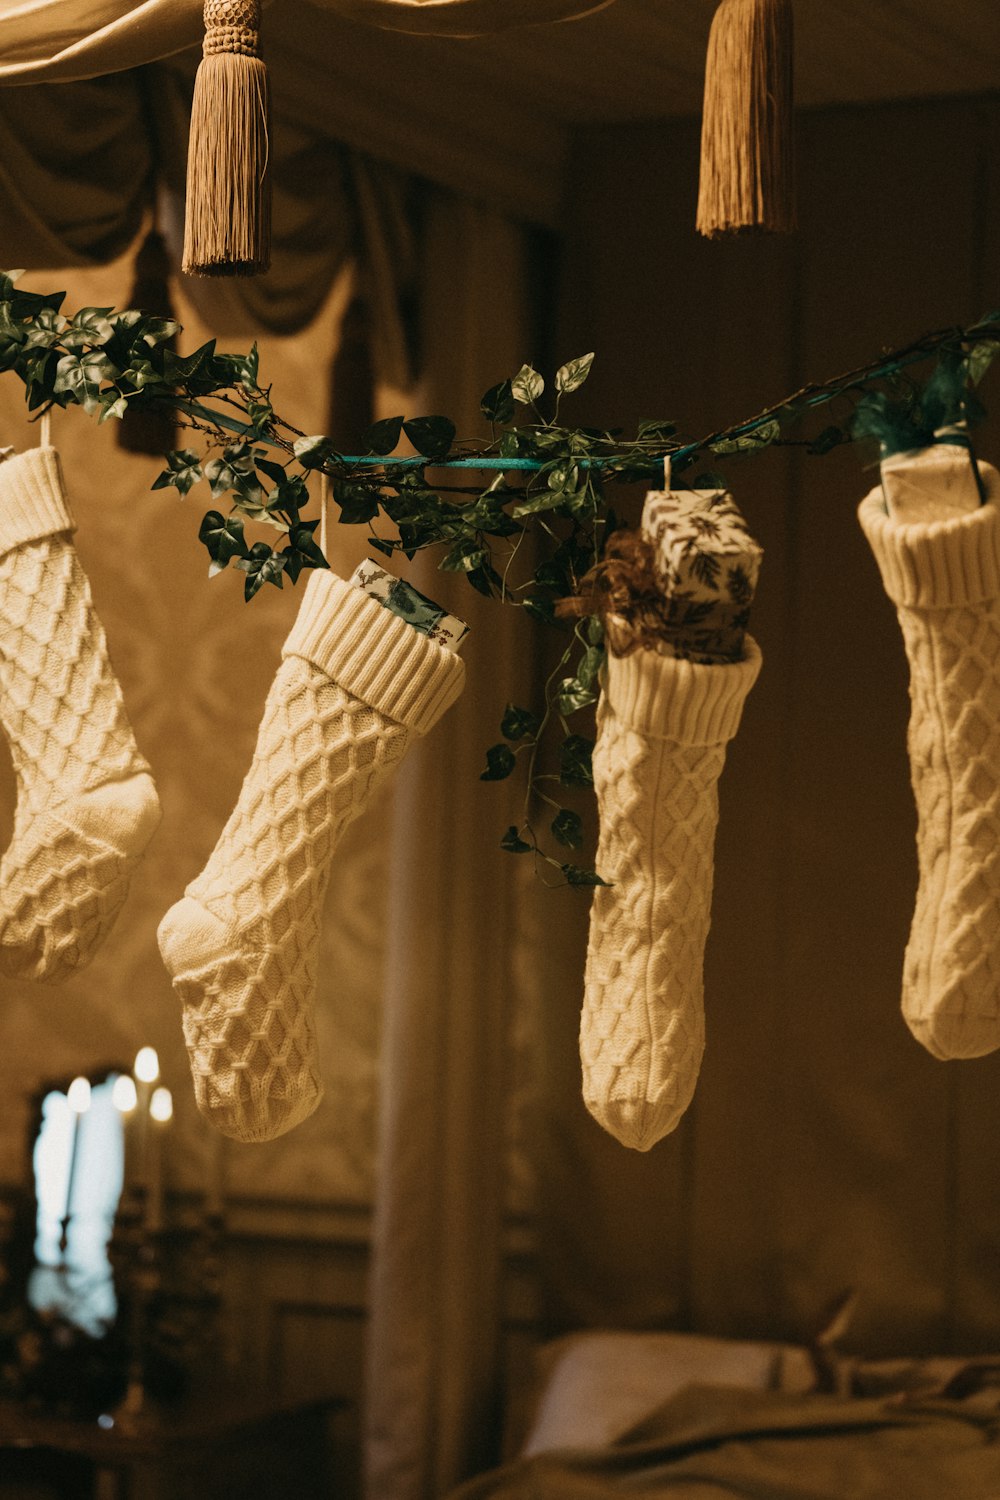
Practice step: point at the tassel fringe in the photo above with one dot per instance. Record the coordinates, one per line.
(227, 229)
(747, 157)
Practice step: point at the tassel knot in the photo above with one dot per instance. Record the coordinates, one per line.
(227, 228)
(232, 26)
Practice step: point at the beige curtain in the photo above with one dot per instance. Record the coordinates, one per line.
(59, 40)
(454, 921)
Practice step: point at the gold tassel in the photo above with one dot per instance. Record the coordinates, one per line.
(148, 428)
(747, 160)
(227, 227)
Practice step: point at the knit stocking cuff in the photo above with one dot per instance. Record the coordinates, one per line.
(686, 702)
(374, 654)
(33, 500)
(937, 564)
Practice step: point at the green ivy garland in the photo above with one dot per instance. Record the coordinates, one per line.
(549, 480)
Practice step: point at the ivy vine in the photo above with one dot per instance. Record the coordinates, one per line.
(540, 477)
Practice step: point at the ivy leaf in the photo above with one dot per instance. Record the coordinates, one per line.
(573, 694)
(89, 326)
(827, 440)
(656, 431)
(304, 543)
(116, 406)
(288, 494)
(570, 376)
(590, 664)
(497, 404)
(980, 357)
(431, 436)
(261, 566)
(358, 503)
(156, 330)
(248, 369)
(545, 500)
(499, 763)
(313, 452)
(749, 442)
(539, 607)
(577, 876)
(513, 843)
(464, 557)
(527, 385)
(235, 471)
(140, 373)
(382, 437)
(567, 828)
(275, 472)
(485, 580)
(260, 414)
(575, 754)
(509, 445)
(518, 723)
(183, 470)
(80, 378)
(303, 550)
(179, 369)
(46, 329)
(223, 538)
(12, 333)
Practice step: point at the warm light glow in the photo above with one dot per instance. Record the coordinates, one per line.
(78, 1095)
(123, 1094)
(147, 1065)
(161, 1106)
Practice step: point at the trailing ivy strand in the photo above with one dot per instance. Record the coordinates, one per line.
(257, 467)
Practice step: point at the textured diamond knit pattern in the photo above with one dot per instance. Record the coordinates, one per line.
(86, 806)
(642, 1029)
(243, 943)
(951, 975)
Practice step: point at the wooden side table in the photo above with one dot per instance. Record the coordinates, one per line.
(224, 1449)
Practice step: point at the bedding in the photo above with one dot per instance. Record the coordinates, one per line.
(722, 1442)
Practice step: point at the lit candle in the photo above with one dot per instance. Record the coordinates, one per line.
(78, 1098)
(147, 1070)
(125, 1098)
(161, 1110)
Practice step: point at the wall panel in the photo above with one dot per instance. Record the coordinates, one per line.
(825, 1149)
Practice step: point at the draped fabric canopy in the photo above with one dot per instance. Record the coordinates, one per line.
(61, 40)
(97, 128)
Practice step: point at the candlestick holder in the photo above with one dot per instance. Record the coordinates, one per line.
(169, 1280)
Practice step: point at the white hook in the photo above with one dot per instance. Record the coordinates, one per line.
(45, 430)
(666, 472)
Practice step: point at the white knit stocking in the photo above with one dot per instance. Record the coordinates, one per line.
(663, 726)
(355, 685)
(944, 578)
(86, 805)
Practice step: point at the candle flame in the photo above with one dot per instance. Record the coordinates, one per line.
(161, 1105)
(123, 1094)
(78, 1095)
(147, 1065)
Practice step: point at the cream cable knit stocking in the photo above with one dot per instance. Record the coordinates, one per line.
(355, 685)
(663, 725)
(944, 578)
(86, 805)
